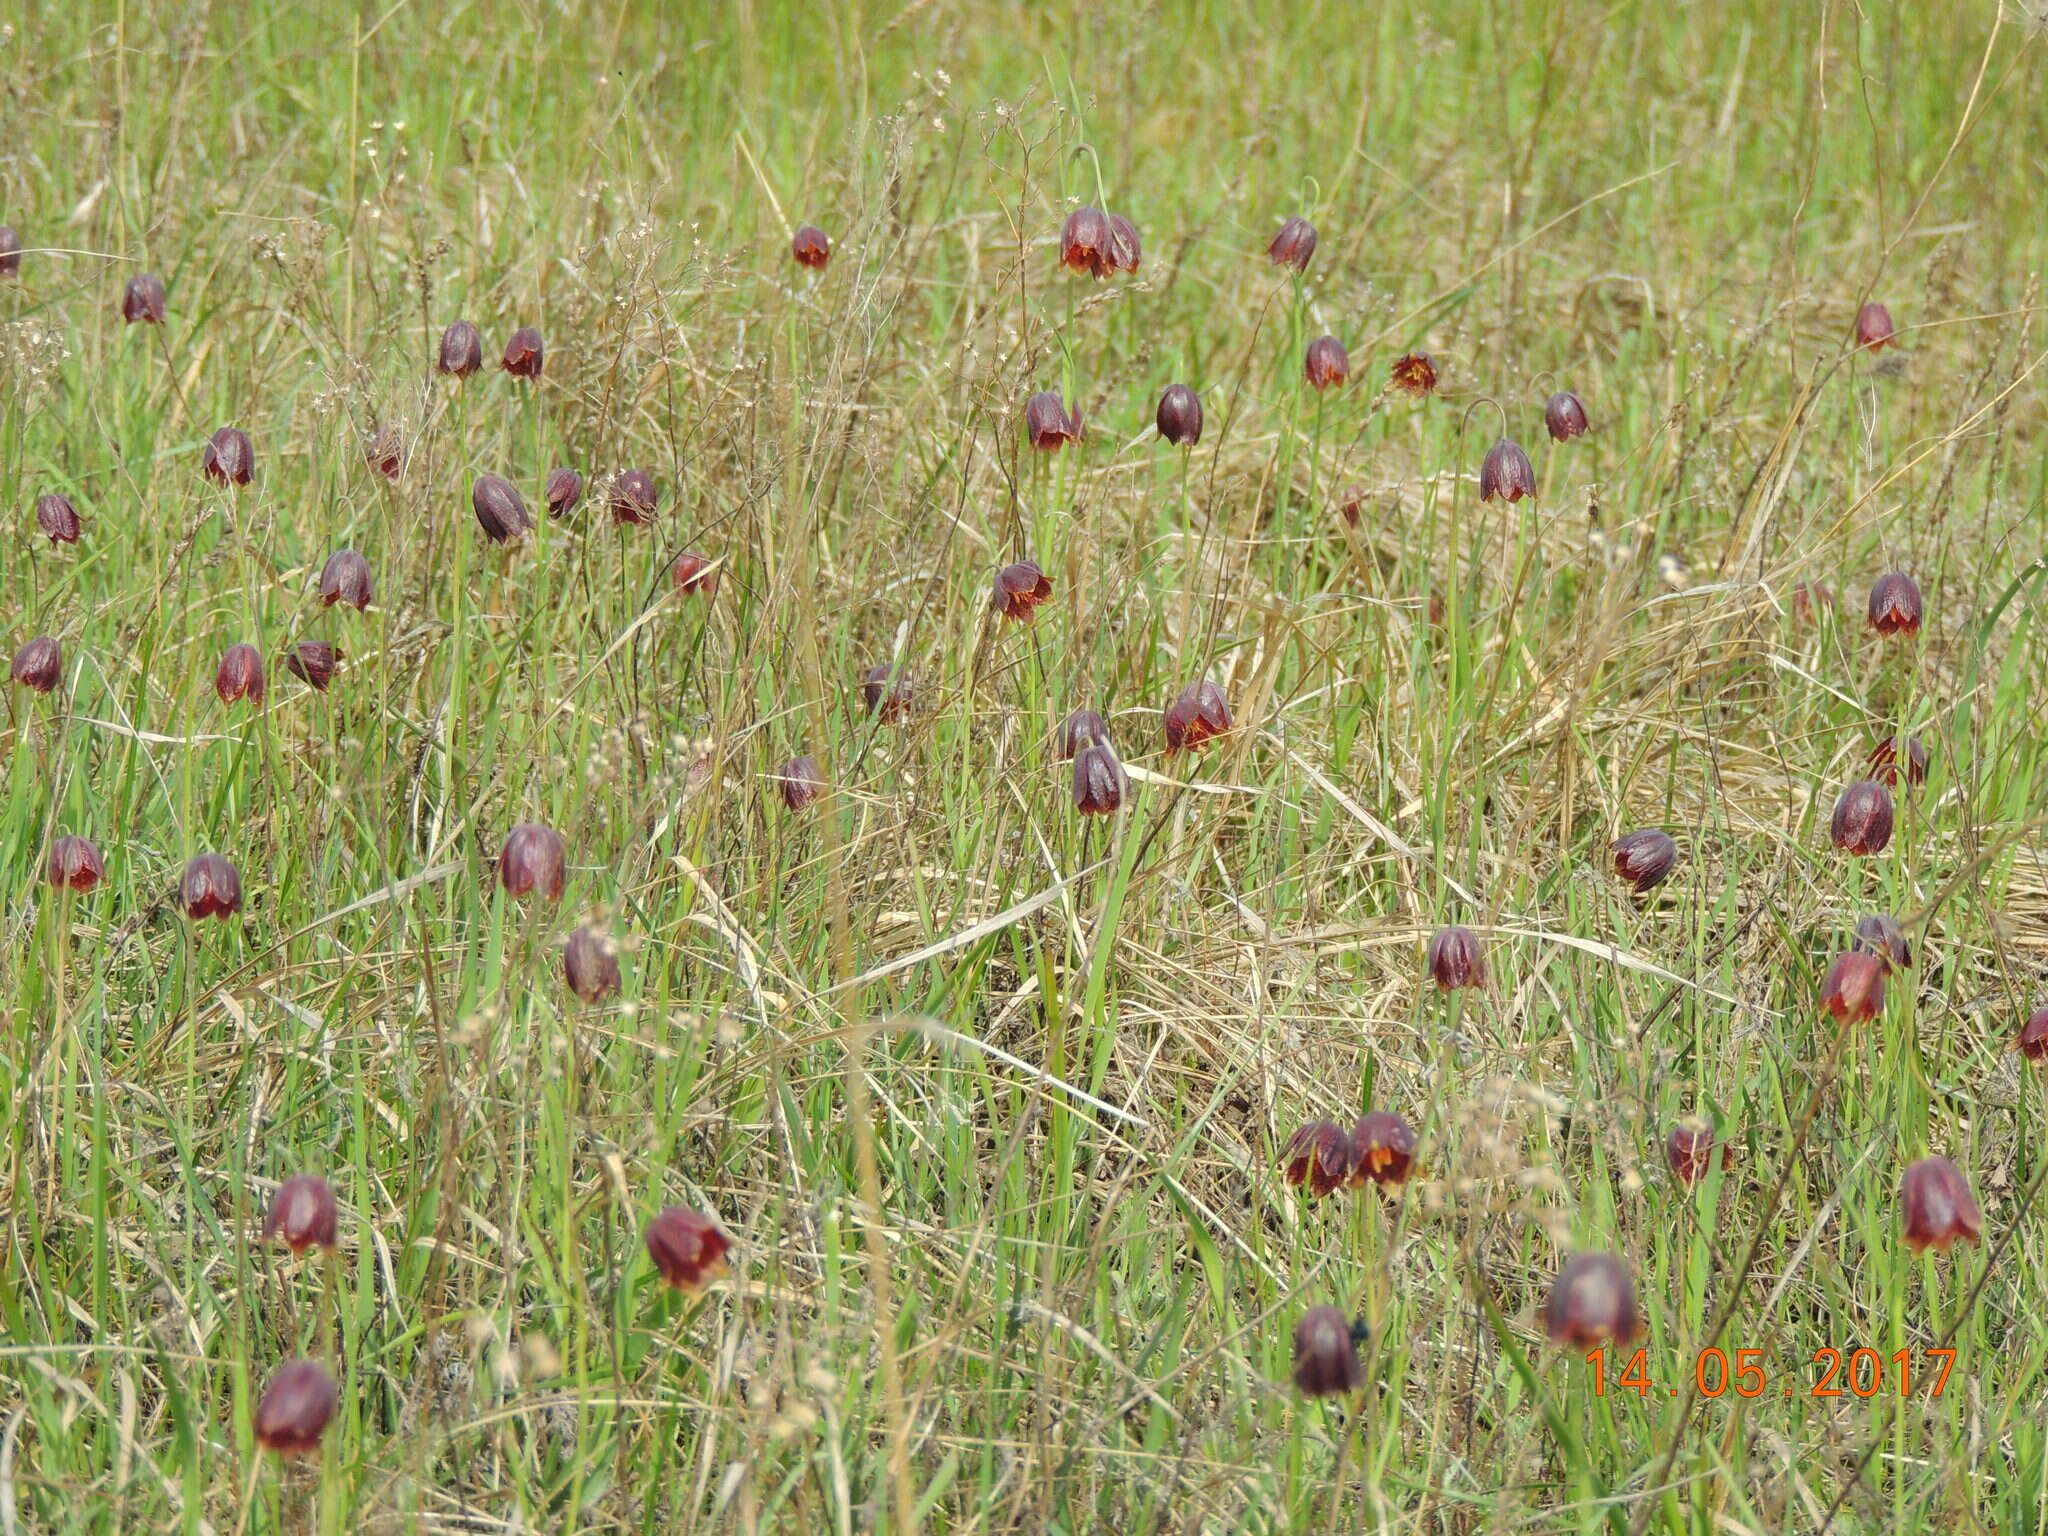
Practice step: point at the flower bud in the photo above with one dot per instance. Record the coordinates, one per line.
(1884, 760)
(240, 675)
(75, 864)
(296, 1408)
(210, 887)
(462, 350)
(500, 509)
(534, 859)
(58, 519)
(1180, 416)
(39, 665)
(304, 1214)
(1100, 783)
(143, 299)
(1294, 245)
(1078, 729)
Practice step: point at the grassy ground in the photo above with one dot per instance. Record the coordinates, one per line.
(990, 1098)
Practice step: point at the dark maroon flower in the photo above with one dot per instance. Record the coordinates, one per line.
(296, 1408)
(563, 490)
(1809, 598)
(75, 864)
(10, 251)
(240, 675)
(500, 509)
(1936, 1206)
(385, 453)
(633, 497)
(305, 1214)
(1884, 760)
(1100, 783)
(58, 518)
(1689, 1149)
(1862, 822)
(143, 299)
(229, 459)
(1086, 242)
(210, 887)
(2033, 1040)
(692, 572)
(1853, 990)
(1506, 473)
(1880, 936)
(1078, 729)
(1895, 607)
(1048, 424)
(1325, 364)
(1564, 416)
(345, 578)
(1318, 1157)
(802, 780)
(1874, 328)
(590, 964)
(1020, 587)
(1454, 959)
(889, 700)
(462, 350)
(1644, 858)
(1198, 712)
(1180, 416)
(1351, 502)
(1124, 251)
(687, 1248)
(1326, 1354)
(1294, 245)
(534, 860)
(313, 662)
(1382, 1149)
(39, 665)
(1592, 1302)
(1414, 373)
(522, 354)
(809, 246)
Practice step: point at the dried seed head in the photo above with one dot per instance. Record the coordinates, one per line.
(534, 861)
(1506, 474)
(345, 578)
(801, 780)
(210, 887)
(1853, 990)
(687, 1247)
(75, 864)
(1862, 823)
(39, 665)
(1936, 1206)
(692, 573)
(1078, 729)
(229, 459)
(296, 1408)
(462, 350)
(1020, 587)
(562, 491)
(1048, 424)
(1100, 783)
(2033, 1039)
(1326, 1354)
(1884, 760)
(590, 964)
(58, 519)
(523, 354)
(1294, 245)
(1325, 364)
(1318, 1157)
(1414, 373)
(1382, 1150)
(1454, 959)
(1880, 936)
(1198, 713)
(809, 246)
(1592, 1302)
(240, 675)
(1564, 417)
(143, 299)
(304, 1214)
(313, 663)
(1180, 416)
(385, 453)
(500, 509)
(1874, 330)
(1895, 606)
(633, 497)
(1644, 859)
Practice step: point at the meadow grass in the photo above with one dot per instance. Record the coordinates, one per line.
(989, 1096)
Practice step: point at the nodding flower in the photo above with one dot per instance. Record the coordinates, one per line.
(1506, 474)
(1020, 587)
(1325, 364)
(1895, 605)
(1564, 417)
(1936, 1206)
(58, 518)
(1862, 823)
(1294, 245)
(296, 1408)
(523, 354)
(1180, 416)
(1049, 425)
(1198, 713)
(143, 299)
(1874, 329)
(1414, 373)
(809, 246)
(688, 1248)
(533, 861)
(1591, 1302)
(1454, 959)
(462, 350)
(229, 459)
(1644, 859)
(1326, 1354)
